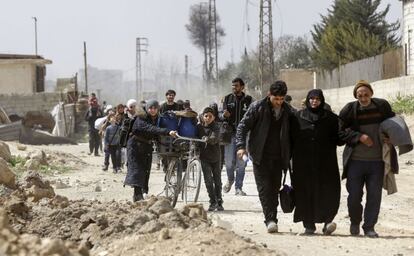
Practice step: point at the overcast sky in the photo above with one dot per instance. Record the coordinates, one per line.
(110, 27)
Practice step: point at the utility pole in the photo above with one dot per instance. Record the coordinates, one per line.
(266, 58)
(212, 76)
(35, 25)
(86, 67)
(141, 46)
(186, 70)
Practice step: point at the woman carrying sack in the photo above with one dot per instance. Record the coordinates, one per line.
(316, 181)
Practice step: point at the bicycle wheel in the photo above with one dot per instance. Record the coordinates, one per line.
(192, 181)
(173, 181)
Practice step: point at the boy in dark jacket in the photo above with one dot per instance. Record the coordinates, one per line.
(210, 158)
(112, 143)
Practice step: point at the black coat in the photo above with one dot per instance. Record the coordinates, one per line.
(91, 115)
(211, 152)
(140, 151)
(349, 129)
(257, 122)
(315, 178)
(237, 108)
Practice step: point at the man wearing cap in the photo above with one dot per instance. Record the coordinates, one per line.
(139, 148)
(235, 105)
(267, 121)
(362, 156)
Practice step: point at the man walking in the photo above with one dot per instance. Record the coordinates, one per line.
(93, 113)
(267, 120)
(235, 105)
(170, 104)
(362, 157)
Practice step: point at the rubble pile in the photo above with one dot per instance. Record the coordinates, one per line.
(38, 158)
(12, 243)
(36, 221)
(35, 215)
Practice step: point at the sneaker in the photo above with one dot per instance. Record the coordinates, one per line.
(105, 168)
(371, 233)
(329, 228)
(115, 171)
(271, 227)
(354, 229)
(227, 186)
(212, 207)
(220, 207)
(240, 192)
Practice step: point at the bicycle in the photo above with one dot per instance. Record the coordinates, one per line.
(189, 184)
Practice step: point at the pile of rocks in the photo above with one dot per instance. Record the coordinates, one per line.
(7, 177)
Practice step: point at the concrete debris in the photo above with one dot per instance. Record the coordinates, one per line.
(7, 177)
(5, 151)
(21, 147)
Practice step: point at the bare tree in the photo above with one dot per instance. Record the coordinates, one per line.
(199, 30)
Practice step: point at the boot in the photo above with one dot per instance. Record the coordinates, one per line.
(220, 205)
(105, 168)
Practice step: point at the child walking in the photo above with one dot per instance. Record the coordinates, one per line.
(112, 143)
(210, 158)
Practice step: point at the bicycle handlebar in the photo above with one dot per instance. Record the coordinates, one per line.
(190, 139)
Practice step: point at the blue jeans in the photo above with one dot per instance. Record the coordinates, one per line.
(370, 174)
(234, 164)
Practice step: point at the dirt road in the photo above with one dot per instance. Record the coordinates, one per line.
(243, 215)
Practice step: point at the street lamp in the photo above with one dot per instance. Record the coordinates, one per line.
(35, 23)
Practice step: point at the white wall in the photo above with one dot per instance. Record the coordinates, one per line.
(408, 33)
(388, 89)
(17, 78)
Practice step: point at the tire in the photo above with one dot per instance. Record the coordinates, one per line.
(192, 181)
(173, 181)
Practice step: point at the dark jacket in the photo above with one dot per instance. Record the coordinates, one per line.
(91, 115)
(139, 149)
(165, 107)
(315, 166)
(210, 152)
(112, 135)
(236, 107)
(349, 128)
(257, 122)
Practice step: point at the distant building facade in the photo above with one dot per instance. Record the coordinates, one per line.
(22, 74)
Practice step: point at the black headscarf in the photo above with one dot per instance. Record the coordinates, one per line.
(315, 93)
(315, 113)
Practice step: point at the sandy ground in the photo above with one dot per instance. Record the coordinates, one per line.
(243, 215)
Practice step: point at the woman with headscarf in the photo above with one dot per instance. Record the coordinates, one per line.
(316, 182)
(139, 149)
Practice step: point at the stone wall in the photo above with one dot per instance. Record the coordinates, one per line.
(20, 104)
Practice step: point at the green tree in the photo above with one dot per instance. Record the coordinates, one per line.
(290, 52)
(352, 30)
